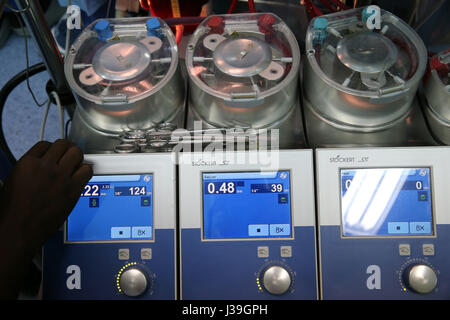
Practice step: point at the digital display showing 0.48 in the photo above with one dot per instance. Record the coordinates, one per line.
(239, 205)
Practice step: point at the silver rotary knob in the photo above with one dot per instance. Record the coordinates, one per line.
(421, 278)
(133, 282)
(276, 280)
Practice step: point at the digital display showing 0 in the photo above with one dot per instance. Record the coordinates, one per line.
(386, 202)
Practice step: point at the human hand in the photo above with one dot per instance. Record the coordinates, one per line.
(41, 192)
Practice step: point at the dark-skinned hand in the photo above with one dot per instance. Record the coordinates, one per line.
(35, 200)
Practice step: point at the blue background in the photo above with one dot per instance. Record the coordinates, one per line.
(344, 262)
(99, 264)
(228, 270)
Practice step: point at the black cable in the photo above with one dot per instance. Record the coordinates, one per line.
(4, 93)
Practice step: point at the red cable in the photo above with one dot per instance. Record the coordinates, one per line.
(313, 11)
(144, 4)
(231, 8)
(251, 6)
(179, 33)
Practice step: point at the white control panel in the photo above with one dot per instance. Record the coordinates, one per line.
(384, 222)
(119, 242)
(247, 225)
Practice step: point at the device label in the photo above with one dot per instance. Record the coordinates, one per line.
(73, 17)
(74, 279)
(374, 280)
(348, 159)
(374, 17)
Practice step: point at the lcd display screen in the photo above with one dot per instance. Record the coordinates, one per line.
(386, 202)
(239, 205)
(113, 208)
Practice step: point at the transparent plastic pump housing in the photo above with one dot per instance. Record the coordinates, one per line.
(359, 78)
(349, 56)
(125, 61)
(243, 70)
(242, 56)
(125, 76)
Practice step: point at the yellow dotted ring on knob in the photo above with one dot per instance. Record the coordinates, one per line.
(120, 274)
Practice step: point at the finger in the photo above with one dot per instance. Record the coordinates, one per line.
(38, 150)
(57, 150)
(81, 177)
(71, 160)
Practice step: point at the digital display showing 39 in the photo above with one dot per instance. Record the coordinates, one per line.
(240, 205)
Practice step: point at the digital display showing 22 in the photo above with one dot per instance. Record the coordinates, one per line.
(113, 208)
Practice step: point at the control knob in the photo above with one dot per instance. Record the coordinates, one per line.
(276, 280)
(133, 282)
(421, 278)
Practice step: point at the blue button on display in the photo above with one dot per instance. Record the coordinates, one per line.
(120, 232)
(141, 232)
(258, 230)
(280, 229)
(398, 227)
(420, 227)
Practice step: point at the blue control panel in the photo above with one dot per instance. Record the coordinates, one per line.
(247, 233)
(384, 229)
(119, 240)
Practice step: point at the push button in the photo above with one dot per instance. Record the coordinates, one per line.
(258, 230)
(263, 252)
(124, 254)
(398, 227)
(420, 227)
(428, 249)
(146, 254)
(286, 251)
(120, 232)
(404, 249)
(280, 229)
(141, 232)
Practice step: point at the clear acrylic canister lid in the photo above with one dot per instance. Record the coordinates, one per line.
(357, 59)
(242, 56)
(121, 60)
